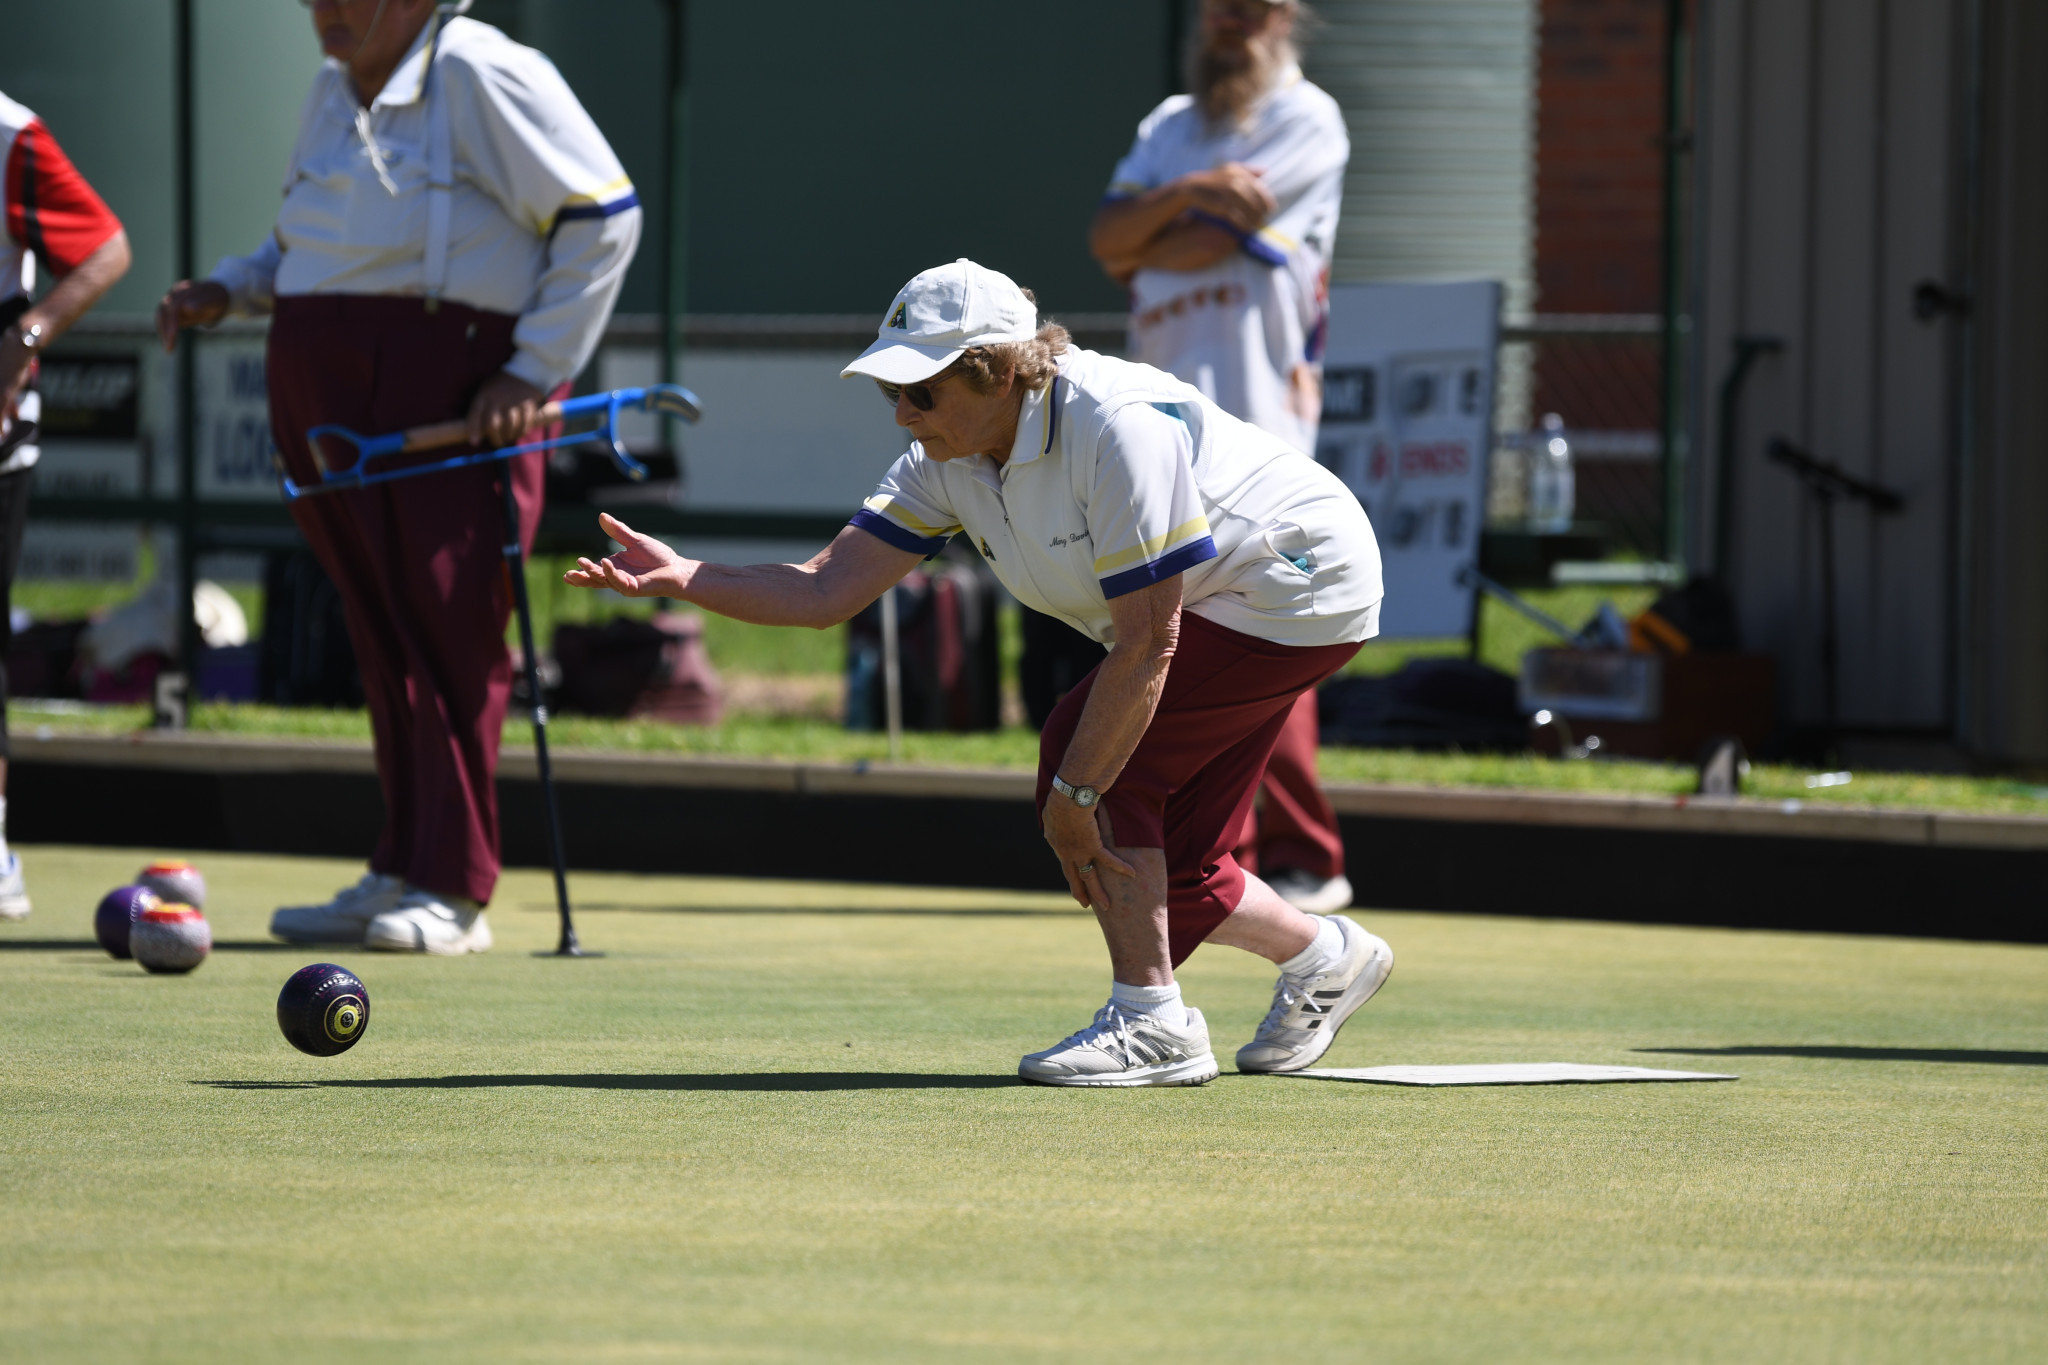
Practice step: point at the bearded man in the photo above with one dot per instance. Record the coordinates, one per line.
(1221, 221)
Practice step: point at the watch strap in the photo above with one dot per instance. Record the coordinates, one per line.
(1075, 794)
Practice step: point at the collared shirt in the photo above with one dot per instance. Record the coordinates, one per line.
(1122, 476)
(1238, 329)
(543, 220)
(52, 218)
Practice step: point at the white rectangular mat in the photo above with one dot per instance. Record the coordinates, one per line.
(1508, 1073)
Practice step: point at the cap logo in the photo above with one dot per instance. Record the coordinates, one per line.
(900, 319)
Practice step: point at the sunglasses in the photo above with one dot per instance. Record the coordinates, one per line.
(920, 395)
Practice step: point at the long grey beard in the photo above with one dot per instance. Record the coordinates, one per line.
(1227, 91)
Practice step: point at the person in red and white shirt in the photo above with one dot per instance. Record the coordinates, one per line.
(56, 224)
(1222, 220)
(454, 233)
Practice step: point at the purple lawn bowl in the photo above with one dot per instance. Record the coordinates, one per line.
(175, 883)
(170, 938)
(119, 909)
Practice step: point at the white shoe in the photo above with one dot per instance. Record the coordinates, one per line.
(1310, 894)
(343, 919)
(423, 922)
(13, 890)
(1127, 1049)
(1306, 1014)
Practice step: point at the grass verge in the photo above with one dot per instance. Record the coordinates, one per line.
(800, 739)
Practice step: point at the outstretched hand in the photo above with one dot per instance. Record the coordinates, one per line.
(644, 568)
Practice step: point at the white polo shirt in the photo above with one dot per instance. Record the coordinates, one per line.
(542, 219)
(1122, 476)
(1238, 329)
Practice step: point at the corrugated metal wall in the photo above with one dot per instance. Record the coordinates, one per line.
(2003, 488)
(1440, 99)
(1852, 151)
(1830, 130)
(1829, 183)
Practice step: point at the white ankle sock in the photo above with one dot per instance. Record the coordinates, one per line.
(1322, 953)
(3, 829)
(1161, 1002)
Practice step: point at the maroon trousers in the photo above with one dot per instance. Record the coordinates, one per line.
(419, 563)
(1295, 825)
(1189, 785)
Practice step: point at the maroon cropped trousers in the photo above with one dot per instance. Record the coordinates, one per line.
(1189, 784)
(419, 563)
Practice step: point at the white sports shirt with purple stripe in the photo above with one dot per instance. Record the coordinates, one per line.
(542, 220)
(1121, 476)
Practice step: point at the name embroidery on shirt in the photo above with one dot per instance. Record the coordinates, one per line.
(1074, 539)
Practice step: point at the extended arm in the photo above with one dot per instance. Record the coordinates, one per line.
(838, 581)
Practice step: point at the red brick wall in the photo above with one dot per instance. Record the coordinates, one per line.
(1599, 165)
(1599, 239)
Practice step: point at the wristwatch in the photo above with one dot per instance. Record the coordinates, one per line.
(1084, 797)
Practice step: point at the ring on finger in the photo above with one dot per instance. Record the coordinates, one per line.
(1084, 867)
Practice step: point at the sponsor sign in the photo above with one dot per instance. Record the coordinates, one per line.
(1408, 386)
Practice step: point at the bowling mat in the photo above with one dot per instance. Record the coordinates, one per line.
(1504, 1073)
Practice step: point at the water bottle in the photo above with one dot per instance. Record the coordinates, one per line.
(1551, 487)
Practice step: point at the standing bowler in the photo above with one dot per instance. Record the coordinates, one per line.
(1221, 221)
(453, 236)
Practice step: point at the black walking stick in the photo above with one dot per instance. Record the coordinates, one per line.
(666, 398)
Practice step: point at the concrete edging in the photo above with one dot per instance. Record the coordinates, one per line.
(215, 754)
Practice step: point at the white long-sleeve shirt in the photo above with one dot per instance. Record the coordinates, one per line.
(542, 221)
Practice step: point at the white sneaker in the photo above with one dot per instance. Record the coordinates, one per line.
(423, 922)
(1127, 1049)
(1306, 1014)
(13, 889)
(1310, 894)
(343, 919)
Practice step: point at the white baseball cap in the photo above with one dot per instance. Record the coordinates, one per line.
(941, 313)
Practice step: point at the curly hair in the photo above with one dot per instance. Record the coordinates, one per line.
(1034, 362)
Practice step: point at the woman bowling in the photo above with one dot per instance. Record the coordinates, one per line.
(1228, 573)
